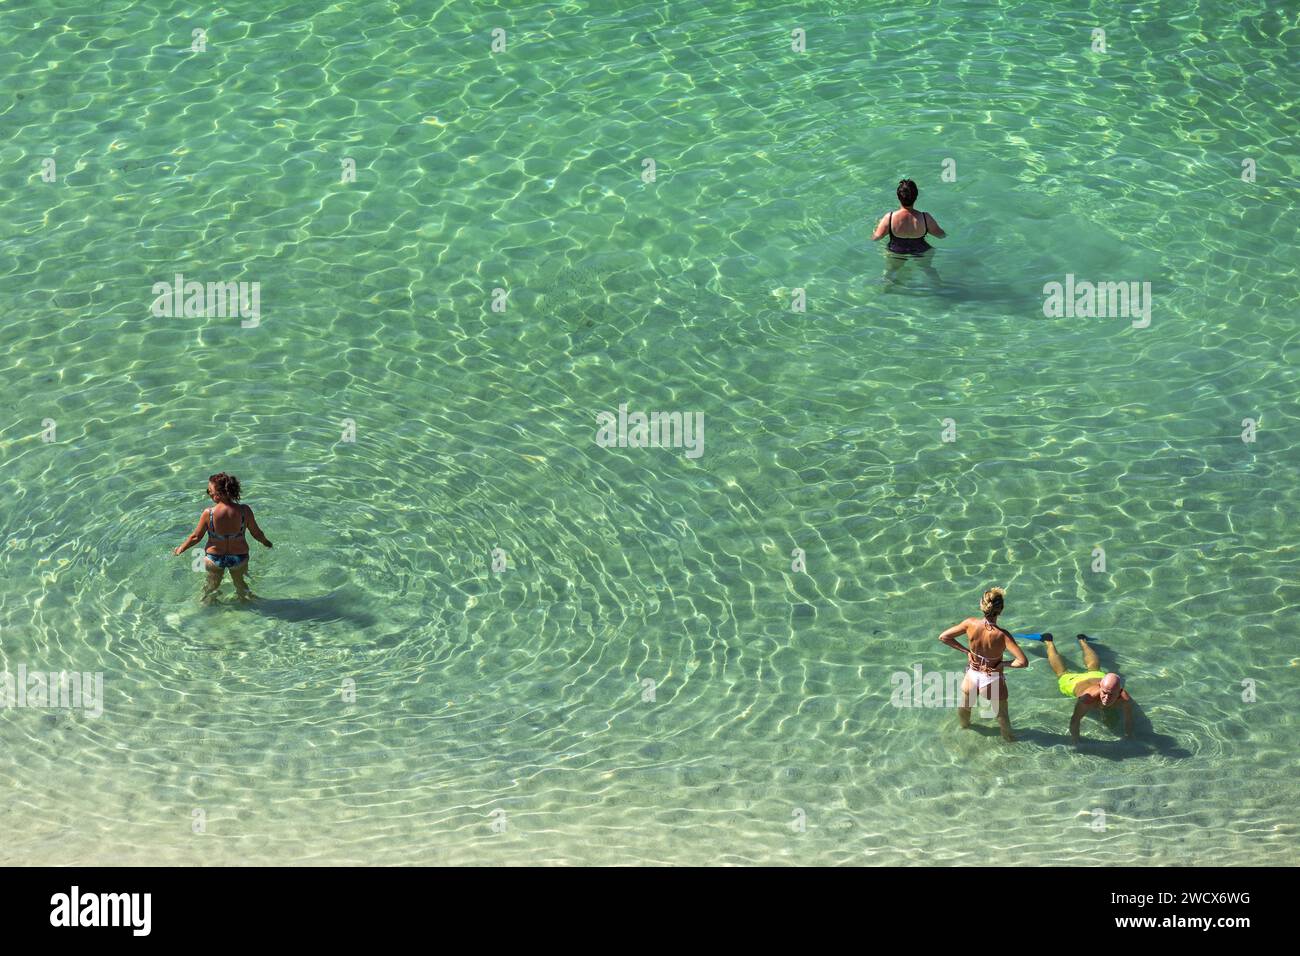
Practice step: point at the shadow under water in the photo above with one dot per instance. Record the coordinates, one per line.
(1112, 745)
(920, 275)
(336, 606)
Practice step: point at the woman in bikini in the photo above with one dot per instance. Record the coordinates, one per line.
(987, 642)
(226, 550)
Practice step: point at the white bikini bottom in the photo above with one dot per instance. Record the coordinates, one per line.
(979, 680)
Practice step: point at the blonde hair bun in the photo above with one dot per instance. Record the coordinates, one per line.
(993, 600)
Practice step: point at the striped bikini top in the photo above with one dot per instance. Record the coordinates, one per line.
(213, 535)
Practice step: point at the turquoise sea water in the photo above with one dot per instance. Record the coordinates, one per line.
(505, 717)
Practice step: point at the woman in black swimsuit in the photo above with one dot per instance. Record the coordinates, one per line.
(906, 227)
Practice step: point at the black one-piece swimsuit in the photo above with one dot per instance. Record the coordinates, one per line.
(904, 246)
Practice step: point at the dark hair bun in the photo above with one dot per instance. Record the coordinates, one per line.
(227, 485)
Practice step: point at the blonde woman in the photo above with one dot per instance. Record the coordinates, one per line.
(987, 642)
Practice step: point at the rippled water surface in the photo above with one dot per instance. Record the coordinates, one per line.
(648, 680)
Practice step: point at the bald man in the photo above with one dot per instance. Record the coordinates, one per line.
(1091, 688)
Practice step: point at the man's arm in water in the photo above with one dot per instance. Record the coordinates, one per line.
(1128, 713)
(882, 227)
(949, 637)
(1080, 708)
